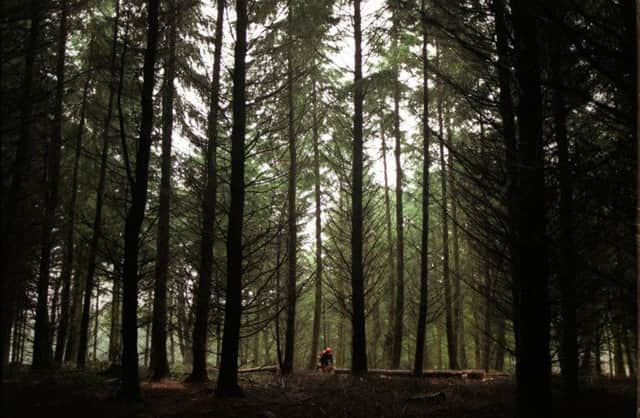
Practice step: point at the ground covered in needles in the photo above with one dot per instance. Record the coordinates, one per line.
(71, 394)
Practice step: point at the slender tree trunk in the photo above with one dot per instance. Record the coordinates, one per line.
(115, 344)
(399, 294)
(159, 364)
(42, 352)
(97, 221)
(359, 338)
(458, 313)
(390, 283)
(292, 227)
(135, 216)
(532, 307)
(317, 310)
(567, 259)
(23, 150)
(72, 348)
(68, 251)
(424, 234)
(207, 233)
(488, 318)
(452, 350)
(637, 116)
(228, 376)
(96, 319)
(501, 342)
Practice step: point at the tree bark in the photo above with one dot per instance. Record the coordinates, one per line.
(533, 393)
(424, 234)
(637, 133)
(207, 232)
(115, 343)
(317, 310)
(97, 221)
(135, 216)
(159, 363)
(359, 339)
(292, 224)
(228, 376)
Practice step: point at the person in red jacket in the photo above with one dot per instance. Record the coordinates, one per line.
(326, 360)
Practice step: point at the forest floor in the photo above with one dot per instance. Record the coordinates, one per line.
(71, 394)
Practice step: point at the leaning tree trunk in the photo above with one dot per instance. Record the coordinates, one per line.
(317, 310)
(359, 338)
(42, 353)
(424, 234)
(228, 376)
(533, 392)
(207, 232)
(135, 216)
(292, 222)
(97, 220)
(159, 363)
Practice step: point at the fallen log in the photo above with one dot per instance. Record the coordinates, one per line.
(270, 369)
(441, 374)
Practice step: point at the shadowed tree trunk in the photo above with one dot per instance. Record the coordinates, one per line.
(317, 310)
(228, 376)
(292, 226)
(115, 343)
(159, 363)
(42, 351)
(567, 269)
(424, 234)
(135, 216)
(637, 120)
(533, 392)
(359, 338)
(199, 370)
(97, 221)
(68, 251)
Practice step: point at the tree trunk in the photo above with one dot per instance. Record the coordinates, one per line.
(72, 348)
(292, 227)
(228, 376)
(399, 293)
(390, 283)
(207, 233)
(96, 322)
(159, 363)
(359, 338)
(115, 344)
(533, 393)
(452, 350)
(97, 221)
(317, 310)
(68, 251)
(424, 235)
(637, 116)
(135, 216)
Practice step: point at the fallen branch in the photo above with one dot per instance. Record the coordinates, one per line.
(271, 369)
(461, 374)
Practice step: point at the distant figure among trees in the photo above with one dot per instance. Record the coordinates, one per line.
(325, 362)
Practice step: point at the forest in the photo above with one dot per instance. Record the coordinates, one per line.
(201, 199)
